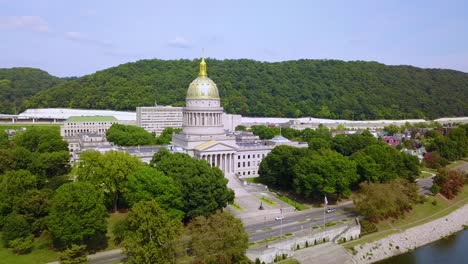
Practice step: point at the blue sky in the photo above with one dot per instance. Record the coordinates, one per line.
(74, 38)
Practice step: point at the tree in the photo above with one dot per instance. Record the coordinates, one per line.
(78, 215)
(4, 142)
(391, 129)
(218, 238)
(147, 184)
(166, 136)
(158, 156)
(15, 183)
(16, 227)
(152, 234)
(41, 139)
(276, 169)
(241, 128)
(34, 205)
(450, 182)
(377, 201)
(109, 171)
(204, 188)
(7, 160)
(326, 171)
(128, 135)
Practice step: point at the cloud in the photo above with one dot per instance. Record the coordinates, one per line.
(82, 38)
(31, 23)
(180, 42)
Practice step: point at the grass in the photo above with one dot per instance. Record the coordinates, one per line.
(18, 126)
(111, 221)
(455, 164)
(268, 201)
(39, 254)
(252, 180)
(289, 261)
(298, 206)
(425, 174)
(421, 213)
(236, 206)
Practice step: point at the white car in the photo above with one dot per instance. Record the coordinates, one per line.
(279, 217)
(331, 210)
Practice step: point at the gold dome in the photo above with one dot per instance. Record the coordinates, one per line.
(202, 87)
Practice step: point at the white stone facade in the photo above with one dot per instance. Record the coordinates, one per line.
(204, 137)
(87, 125)
(157, 118)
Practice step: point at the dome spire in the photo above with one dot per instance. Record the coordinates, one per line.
(203, 72)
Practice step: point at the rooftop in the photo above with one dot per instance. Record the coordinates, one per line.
(91, 119)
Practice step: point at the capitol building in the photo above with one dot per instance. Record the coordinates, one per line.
(203, 135)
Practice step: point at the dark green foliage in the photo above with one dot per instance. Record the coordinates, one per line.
(166, 136)
(347, 145)
(76, 254)
(319, 88)
(34, 205)
(7, 160)
(158, 156)
(16, 226)
(203, 188)
(276, 168)
(241, 128)
(452, 146)
(218, 238)
(109, 171)
(152, 234)
(265, 132)
(19, 84)
(77, 215)
(4, 142)
(124, 135)
(41, 139)
(119, 230)
(148, 183)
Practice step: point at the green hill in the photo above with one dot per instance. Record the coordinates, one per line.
(17, 84)
(319, 88)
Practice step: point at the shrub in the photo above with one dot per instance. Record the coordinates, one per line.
(367, 227)
(119, 231)
(434, 202)
(76, 254)
(15, 227)
(435, 189)
(22, 245)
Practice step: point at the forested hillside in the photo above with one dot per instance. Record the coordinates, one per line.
(318, 88)
(17, 84)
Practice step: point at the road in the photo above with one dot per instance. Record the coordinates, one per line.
(296, 222)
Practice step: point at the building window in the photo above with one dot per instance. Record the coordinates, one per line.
(238, 164)
(248, 164)
(248, 173)
(248, 156)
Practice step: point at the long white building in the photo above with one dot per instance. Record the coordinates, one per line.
(157, 118)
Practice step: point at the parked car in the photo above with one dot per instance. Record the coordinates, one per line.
(279, 217)
(331, 210)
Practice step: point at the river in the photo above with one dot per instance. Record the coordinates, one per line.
(451, 250)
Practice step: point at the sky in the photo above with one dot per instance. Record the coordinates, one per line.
(75, 38)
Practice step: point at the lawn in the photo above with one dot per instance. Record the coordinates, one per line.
(39, 254)
(113, 219)
(268, 201)
(289, 261)
(42, 254)
(298, 206)
(18, 126)
(252, 180)
(421, 213)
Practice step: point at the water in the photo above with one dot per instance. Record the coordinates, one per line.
(451, 250)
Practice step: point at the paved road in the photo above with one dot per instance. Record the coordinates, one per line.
(296, 222)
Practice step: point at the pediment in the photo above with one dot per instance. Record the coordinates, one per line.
(215, 146)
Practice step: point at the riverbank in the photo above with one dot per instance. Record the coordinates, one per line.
(411, 238)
